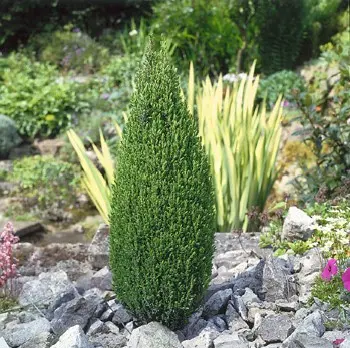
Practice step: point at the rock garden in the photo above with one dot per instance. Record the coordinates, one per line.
(175, 174)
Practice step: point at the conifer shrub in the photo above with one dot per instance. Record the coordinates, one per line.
(162, 210)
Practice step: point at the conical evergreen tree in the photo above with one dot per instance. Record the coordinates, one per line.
(162, 212)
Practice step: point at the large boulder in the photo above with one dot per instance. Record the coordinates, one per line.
(44, 290)
(278, 281)
(276, 328)
(153, 335)
(99, 248)
(297, 225)
(74, 337)
(17, 334)
(75, 312)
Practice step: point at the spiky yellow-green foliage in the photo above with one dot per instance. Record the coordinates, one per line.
(162, 210)
(242, 141)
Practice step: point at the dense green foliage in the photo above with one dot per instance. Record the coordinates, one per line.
(36, 98)
(201, 31)
(162, 211)
(8, 136)
(70, 49)
(281, 32)
(284, 82)
(48, 180)
(325, 109)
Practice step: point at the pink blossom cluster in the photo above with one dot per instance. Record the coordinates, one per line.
(8, 264)
(331, 270)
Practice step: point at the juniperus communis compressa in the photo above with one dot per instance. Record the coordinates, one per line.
(162, 211)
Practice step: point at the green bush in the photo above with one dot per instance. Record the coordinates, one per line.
(202, 32)
(8, 136)
(162, 210)
(70, 49)
(48, 180)
(283, 82)
(325, 109)
(281, 29)
(33, 95)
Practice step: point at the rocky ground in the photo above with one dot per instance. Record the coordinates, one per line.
(254, 300)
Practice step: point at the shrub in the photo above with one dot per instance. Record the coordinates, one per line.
(281, 29)
(48, 180)
(70, 49)
(284, 82)
(38, 101)
(202, 32)
(324, 109)
(8, 136)
(162, 209)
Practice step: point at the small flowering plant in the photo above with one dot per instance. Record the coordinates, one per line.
(8, 263)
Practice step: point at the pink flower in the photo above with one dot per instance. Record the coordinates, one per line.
(338, 341)
(346, 279)
(330, 270)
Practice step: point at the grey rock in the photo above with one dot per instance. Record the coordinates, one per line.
(3, 343)
(44, 290)
(121, 315)
(18, 334)
(233, 319)
(288, 306)
(102, 279)
(275, 328)
(75, 312)
(218, 323)
(107, 315)
(251, 278)
(108, 340)
(203, 340)
(99, 248)
(112, 328)
(74, 337)
(297, 225)
(346, 343)
(153, 335)
(249, 297)
(217, 286)
(278, 282)
(303, 340)
(230, 340)
(97, 327)
(240, 307)
(217, 303)
(312, 325)
(43, 340)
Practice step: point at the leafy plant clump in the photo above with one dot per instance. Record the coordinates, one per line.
(162, 210)
(33, 95)
(70, 49)
(47, 180)
(283, 82)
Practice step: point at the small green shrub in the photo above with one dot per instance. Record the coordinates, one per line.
(162, 210)
(8, 136)
(70, 49)
(49, 180)
(33, 95)
(283, 82)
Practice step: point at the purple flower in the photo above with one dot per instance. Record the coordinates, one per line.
(76, 30)
(330, 270)
(346, 279)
